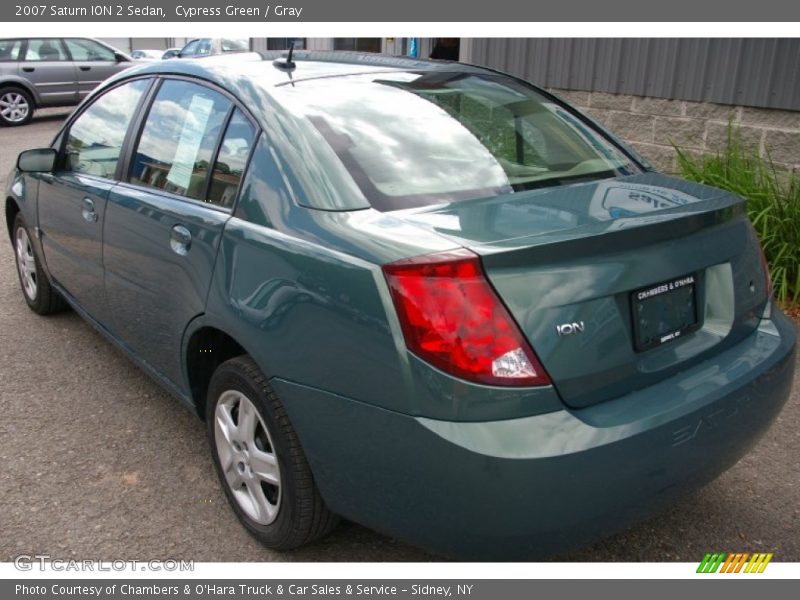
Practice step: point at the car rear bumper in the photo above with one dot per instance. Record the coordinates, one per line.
(533, 486)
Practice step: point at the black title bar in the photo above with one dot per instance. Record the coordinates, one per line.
(449, 11)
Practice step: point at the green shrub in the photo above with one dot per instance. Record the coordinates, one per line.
(773, 203)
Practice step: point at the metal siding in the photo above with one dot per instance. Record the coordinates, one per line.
(750, 72)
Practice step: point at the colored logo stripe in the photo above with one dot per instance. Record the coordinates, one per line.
(711, 562)
(735, 562)
(759, 562)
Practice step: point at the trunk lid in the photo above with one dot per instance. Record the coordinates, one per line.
(590, 271)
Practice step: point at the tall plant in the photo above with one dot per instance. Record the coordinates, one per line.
(773, 203)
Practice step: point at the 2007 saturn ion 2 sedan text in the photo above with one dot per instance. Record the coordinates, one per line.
(424, 296)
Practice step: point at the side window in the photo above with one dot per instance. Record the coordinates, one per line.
(199, 47)
(9, 49)
(94, 142)
(46, 49)
(84, 50)
(177, 144)
(231, 160)
(191, 49)
(234, 45)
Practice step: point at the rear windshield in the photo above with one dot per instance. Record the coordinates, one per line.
(412, 139)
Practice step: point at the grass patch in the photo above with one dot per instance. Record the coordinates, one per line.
(773, 204)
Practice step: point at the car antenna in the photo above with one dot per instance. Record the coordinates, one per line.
(286, 64)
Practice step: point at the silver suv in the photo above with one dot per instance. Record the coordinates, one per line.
(40, 72)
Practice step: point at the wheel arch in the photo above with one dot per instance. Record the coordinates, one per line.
(21, 83)
(205, 348)
(12, 208)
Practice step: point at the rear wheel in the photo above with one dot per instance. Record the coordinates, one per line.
(36, 289)
(259, 460)
(16, 106)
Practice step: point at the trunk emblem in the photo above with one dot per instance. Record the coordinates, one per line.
(570, 328)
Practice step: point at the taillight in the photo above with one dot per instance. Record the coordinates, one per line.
(452, 318)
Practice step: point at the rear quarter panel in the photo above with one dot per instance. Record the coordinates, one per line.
(307, 313)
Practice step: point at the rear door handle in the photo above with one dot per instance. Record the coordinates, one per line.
(29, 69)
(85, 68)
(180, 240)
(88, 211)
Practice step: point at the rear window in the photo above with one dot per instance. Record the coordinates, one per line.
(412, 139)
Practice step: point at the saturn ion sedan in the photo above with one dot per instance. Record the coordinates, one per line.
(428, 297)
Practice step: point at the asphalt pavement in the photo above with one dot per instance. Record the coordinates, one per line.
(96, 461)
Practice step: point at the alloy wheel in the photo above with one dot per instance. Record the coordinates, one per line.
(26, 263)
(247, 457)
(14, 107)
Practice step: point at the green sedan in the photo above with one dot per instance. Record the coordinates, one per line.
(424, 296)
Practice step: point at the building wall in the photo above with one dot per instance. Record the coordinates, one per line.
(123, 44)
(652, 125)
(739, 72)
(655, 93)
(129, 44)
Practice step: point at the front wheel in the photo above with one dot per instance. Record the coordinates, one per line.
(39, 294)
(259, 460)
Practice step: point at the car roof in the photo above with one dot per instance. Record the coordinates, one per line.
(237, 70)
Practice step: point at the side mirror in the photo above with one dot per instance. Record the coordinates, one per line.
(40, 160)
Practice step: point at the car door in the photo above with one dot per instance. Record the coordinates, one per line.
(72, 199)
(94, 63)
(163, 226)
(47, 66)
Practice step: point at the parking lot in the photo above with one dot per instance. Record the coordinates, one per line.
(96, 461)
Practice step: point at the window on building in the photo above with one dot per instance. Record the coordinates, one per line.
(283, 43)
(357, 44)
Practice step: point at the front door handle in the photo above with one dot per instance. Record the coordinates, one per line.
(85, 68)
(29, 69)
(180, 240)
(88, 211)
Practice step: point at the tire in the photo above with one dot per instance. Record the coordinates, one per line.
(16, 106)
(289, 512)
(36, 289)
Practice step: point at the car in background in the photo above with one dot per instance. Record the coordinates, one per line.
(201, 47)
(42, 72)
(147, 54)
(425, 296)
(170, 53)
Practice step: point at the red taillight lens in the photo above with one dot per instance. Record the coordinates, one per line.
(452, 318)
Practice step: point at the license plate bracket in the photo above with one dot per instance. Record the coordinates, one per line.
(664, 312)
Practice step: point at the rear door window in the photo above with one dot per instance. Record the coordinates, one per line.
(45, 49)
(88, 50)
(180, 134)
